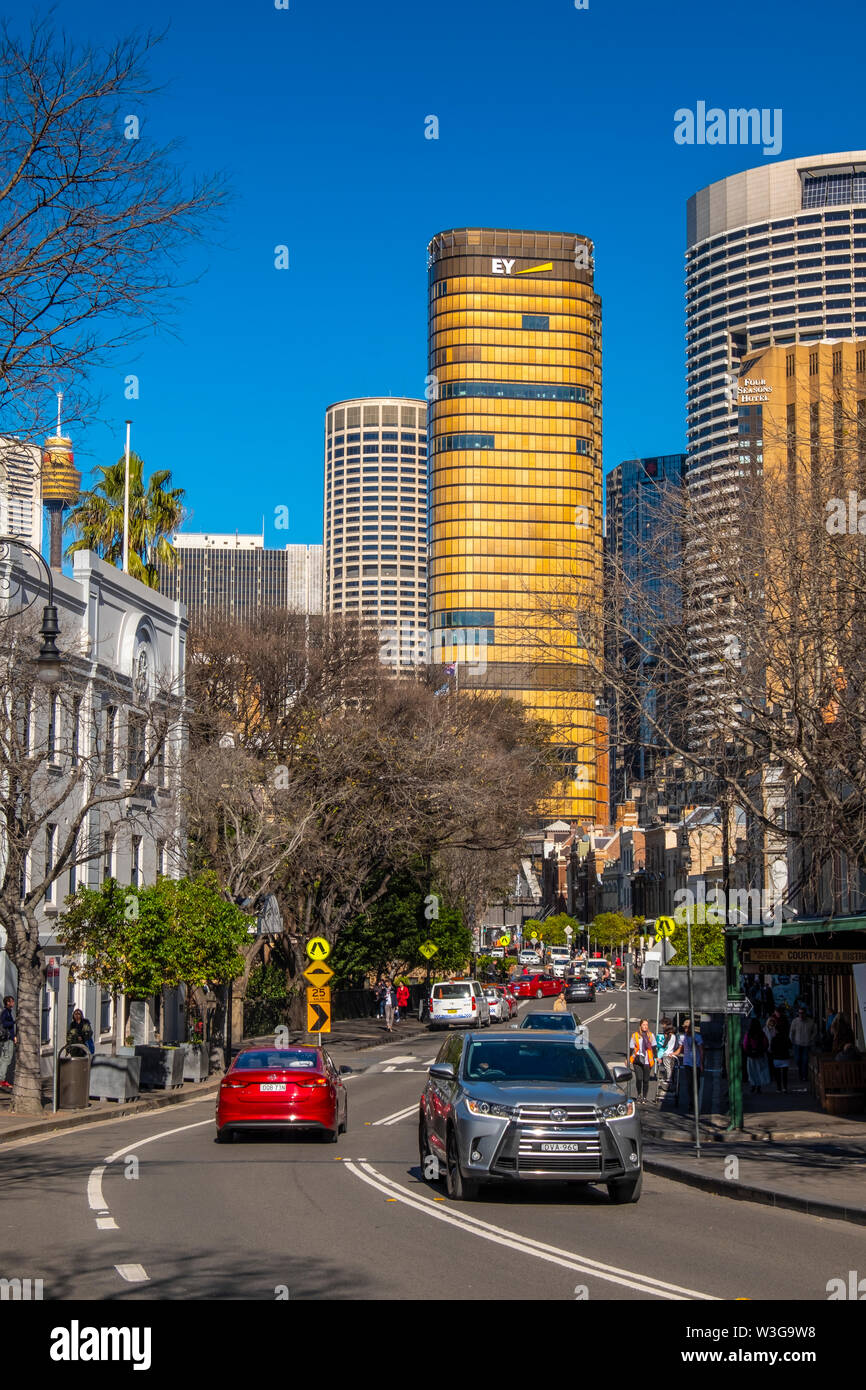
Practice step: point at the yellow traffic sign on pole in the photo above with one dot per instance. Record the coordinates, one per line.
(665, 926)
(428, 948)
(318, 1011)
(319, 973)
(318, 948)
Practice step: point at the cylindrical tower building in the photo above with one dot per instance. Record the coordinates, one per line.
(515, 500)
(375, 562)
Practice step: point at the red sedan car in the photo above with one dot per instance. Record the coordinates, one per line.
(537, 986)
(282, 1088)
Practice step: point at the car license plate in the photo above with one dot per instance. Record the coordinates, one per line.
(270, 1087)
(452, 1011)
(562, 1148)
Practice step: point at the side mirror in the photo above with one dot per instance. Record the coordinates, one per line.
(443, 1071)
(621, 1074)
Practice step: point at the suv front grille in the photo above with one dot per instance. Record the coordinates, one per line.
(541, 1114)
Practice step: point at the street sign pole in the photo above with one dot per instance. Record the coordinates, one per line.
(694, 1041)
(627, 1005)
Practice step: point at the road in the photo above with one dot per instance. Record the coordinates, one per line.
(151, 1207)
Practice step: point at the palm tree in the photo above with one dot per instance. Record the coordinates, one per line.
(153, 515)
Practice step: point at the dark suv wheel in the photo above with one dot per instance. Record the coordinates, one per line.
(459, 1189)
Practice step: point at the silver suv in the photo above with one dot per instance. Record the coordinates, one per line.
(531, 1107)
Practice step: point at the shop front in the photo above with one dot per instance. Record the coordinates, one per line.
(819, 966)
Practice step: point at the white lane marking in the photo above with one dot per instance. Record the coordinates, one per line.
(140, 1143)
(95, 1199)
(512, 1240)
(397, 1115)
(133, 1274)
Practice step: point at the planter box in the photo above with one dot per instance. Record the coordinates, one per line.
(161, 1067)
(196, 1063)
(114, 1078)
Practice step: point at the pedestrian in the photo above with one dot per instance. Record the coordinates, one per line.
(8, 1040)
(768, 1003)
(780, 1052)
(80, 1030)
(390, 999)
(559, 1004)
(771, 1027)
(666, 1063)
(642, 1059)
(690, 1054)
(803, 1034)
(755, 1050)
(402, 1000)
(379, 997)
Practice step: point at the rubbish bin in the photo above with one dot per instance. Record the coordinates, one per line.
(74, 1081)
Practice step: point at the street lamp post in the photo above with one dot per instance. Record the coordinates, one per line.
(49, 659)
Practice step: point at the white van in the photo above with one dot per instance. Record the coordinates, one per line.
(458, 1001)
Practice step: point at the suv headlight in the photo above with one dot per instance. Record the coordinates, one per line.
(623, 1111)
(485, 1107)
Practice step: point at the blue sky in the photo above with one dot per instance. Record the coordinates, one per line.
(549, 117)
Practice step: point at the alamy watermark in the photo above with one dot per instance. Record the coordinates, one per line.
(737, 126)
(846, 516)
(760, 905)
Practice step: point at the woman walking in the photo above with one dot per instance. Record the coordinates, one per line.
(666, 1064)
(642, 1058)
(755, 1050)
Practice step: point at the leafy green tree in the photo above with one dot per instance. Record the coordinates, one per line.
(138, 941)
(388, 938)
(708, 937)
(611, 928)
(552, 929)
(155, 512)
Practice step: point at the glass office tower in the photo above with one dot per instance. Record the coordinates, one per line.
(515, 485)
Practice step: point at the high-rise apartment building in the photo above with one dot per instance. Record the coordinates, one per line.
(516, 482)
(776, 256)
(644, 552)
(375, 562)
(233, 577)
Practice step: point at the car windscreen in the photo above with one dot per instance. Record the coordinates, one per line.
(451, 991)
(559, 1062)
(564, 1022)
(577, 980)
(281, 1061)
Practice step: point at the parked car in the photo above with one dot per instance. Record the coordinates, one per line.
(497, 1003)
(282, 1088)
(458, 1001)
(537, 987)
(579, 989)
(528, 1107)
(554, 1023)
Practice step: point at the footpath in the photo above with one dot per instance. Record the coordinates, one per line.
(789, 1154)
(356, 1035)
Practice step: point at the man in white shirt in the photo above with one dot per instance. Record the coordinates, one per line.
(803, 1034)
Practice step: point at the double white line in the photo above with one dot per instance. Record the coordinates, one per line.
(398, 1115)
(645, 1284)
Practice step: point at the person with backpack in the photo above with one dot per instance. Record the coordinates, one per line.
(756, 1052)
(8, 1040)
(80, 1030)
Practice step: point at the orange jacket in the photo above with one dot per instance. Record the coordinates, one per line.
(635, 1048)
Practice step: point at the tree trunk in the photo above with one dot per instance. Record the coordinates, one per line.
(27, 959)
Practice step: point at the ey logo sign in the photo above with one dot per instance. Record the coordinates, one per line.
(502, 266)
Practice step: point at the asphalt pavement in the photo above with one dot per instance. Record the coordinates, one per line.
(150, 1207)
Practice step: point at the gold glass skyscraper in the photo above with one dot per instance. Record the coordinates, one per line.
(515, 483)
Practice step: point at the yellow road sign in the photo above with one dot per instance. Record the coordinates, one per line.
(504, 940)
(428, 949)
(318, 1016)
(319, 994)
(318, 974)
(665, 926)
(318, 948)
